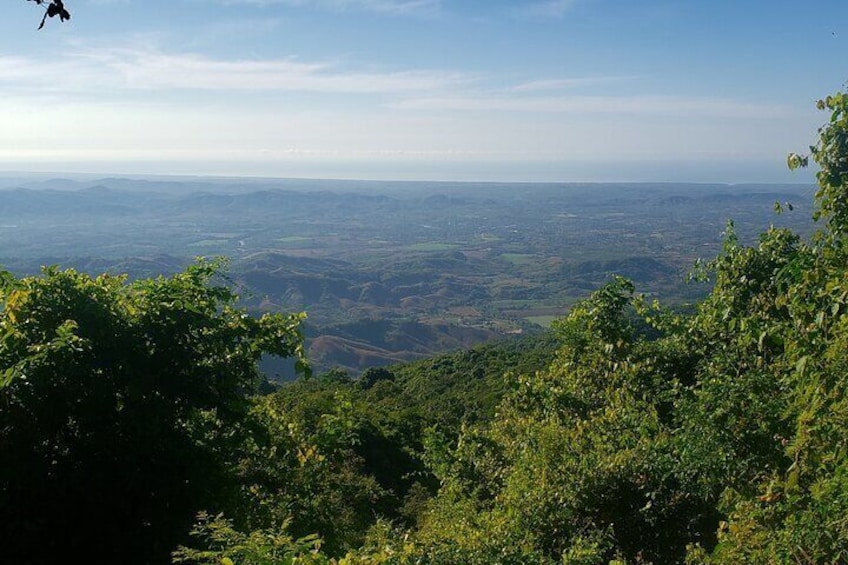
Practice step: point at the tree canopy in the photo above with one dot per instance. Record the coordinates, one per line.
(117, 399)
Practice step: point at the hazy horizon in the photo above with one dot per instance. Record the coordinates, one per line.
(494, 172)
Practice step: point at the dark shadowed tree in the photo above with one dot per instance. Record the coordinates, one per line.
(118, 406)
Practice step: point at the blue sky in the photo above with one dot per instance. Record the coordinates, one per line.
(564, 90)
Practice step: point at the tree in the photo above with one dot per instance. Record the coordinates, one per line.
(797, 508)
(119, 403)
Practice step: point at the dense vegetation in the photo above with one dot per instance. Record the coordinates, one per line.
(118, 401)
(712, 435)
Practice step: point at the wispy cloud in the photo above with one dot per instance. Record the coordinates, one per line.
(145, 70)
(681, 106)
(394, 7)
(114, 72)
(567, 83)
(548, 9)
(139, 69)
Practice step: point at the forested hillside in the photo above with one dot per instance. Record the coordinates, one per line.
(639, 434)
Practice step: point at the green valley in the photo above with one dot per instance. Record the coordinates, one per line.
(393, 271)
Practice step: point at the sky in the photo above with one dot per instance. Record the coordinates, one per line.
(537, 90)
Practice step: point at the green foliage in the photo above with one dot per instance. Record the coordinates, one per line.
(831, 155)
(465, 386)
(338, 458)
(227, 546)
(118, 401)
(302, 466)
(576, 464)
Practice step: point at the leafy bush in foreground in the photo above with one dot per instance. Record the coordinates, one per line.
(118, 405)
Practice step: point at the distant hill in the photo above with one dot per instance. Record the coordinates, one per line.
(440, 265)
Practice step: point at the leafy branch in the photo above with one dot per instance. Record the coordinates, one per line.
(53, 8)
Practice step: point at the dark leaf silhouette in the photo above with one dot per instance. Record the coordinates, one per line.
(54, 8)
